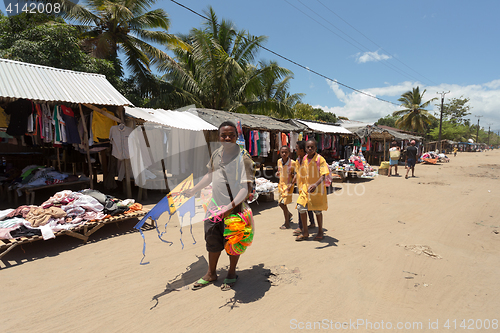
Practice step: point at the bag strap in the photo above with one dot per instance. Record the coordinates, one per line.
(227, 184)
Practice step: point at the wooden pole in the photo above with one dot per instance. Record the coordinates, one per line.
(103, 112)
(384, 149)
(58, 159)
(86, 142)
(127, 160)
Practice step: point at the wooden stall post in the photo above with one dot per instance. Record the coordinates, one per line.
(384, 149)
(86, 139)
(127, 160)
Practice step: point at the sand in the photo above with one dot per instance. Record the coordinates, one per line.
(397, 252)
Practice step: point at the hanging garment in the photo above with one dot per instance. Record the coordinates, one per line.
(68, 116)
(264, 144)
(62, 125)
(57, 129)
(250, 142)
(294, 137)
(284, 139)
(101, 125)
(118, 135)
(4, 118)
(19, 112)
(46, 124)
(255, 151)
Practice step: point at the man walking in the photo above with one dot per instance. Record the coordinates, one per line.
(411, 159)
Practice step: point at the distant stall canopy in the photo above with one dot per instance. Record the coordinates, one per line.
(325, 128)
(177, 119)
(374, 132)
(253, 121)
(49, 84)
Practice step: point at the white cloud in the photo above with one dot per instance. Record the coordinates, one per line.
(484, 100)
(371, 56)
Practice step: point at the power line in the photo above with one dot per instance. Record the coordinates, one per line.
(294, 62)
(375, 43)
(364, 49)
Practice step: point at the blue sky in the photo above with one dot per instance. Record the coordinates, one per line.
(383, 48)
(438, 45)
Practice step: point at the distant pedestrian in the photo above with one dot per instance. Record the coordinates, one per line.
(394, 154)
(411, 159)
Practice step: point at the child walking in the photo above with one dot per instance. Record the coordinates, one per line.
(301, 152)
(312, 193)
(286, 167)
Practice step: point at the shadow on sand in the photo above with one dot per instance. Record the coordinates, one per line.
(252, 285)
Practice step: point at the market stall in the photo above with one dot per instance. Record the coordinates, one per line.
(45, 109)
(374, 143)
(334, 141)
(47, 114)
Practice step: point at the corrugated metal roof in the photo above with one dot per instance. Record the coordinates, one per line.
(253, 121)
(325, 128)
(47, 84)
(177, 119)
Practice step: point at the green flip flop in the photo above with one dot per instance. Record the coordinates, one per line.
(201, 283)
(228, 283)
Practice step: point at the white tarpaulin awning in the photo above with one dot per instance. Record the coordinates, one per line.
(325, 128)
(178, 119)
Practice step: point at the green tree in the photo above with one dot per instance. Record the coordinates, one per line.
(272, 96)
(456, 110)
(110, 26)
(307, 112)
(388, 120)
(217, 71)
(324, 116)
(303, 111)
(414, 116)
(45, 40)
(450, 131)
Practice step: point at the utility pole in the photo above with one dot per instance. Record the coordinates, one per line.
(489, 126)
(477, 135)
(441, 117)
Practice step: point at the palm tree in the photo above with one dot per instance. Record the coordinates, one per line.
(414, 116)
(110, 26)
(217, 71)
(272, 96)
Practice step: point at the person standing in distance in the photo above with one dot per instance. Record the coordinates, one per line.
(411, 159)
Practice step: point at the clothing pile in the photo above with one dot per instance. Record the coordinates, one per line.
(63, 211)
(354, 163)
(264, 185)
(429, 155)
(35, 176)
(443, 158)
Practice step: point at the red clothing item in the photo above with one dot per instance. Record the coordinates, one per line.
(284, 139)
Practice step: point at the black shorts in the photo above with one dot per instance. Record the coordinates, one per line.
(214, 232)
(214, 235)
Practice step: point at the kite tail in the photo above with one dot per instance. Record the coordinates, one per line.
(191, 229)
(143, 249)
(160, 235)
(182, 222)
